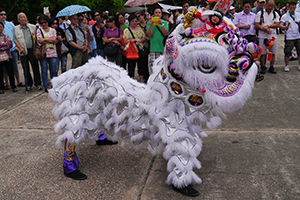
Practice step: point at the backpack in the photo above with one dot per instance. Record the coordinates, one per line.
(262, 18)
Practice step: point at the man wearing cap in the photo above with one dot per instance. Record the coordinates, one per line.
(77, 43)
(165, 16)
(232, 11)
(267, 20)
(245, 21)
(229, 13)
(290, 23)
(259, 7)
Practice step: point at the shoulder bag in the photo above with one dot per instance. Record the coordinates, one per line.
(39, 51)
(112, 50)
(3, 54)
(142, 52)
(295, 22)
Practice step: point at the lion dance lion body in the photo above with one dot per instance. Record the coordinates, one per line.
(205, 70)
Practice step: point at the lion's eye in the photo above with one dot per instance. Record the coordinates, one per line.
(207, 69)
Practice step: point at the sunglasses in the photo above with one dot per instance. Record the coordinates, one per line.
(96, 15)
(2, 14)
(43, 22)
(80, 20)
(55, 23)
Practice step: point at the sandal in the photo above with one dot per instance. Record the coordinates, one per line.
(259, 78)
(6, 87)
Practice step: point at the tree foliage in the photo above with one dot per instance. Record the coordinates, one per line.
(32, 7)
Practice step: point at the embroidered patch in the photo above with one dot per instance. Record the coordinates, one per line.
(195, 100)
(163, 74)
(176, 88)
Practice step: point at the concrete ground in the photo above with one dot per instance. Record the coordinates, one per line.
(253, 155)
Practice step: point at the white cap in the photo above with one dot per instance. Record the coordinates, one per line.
(231, 8)
(166, 11)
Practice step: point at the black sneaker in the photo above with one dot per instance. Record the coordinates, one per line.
(263, 70)
(76, 175)
(28, 88)
(188, 191)
(272, 70)
(106, 142)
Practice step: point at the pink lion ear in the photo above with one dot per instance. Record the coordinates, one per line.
(171, 47)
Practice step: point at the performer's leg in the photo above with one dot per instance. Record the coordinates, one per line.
(182, 155)
(71, 163)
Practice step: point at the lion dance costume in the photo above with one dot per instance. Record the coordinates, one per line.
(206, 70)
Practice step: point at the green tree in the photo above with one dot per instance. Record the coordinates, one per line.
(32, 7)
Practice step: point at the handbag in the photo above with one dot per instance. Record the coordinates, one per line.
(132, 53)
(3, 55)
(112, 50)
(64, 48)
(39, 51)
(142, 52)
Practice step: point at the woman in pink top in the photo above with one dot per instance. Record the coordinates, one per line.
(5, 45)
(46, 35)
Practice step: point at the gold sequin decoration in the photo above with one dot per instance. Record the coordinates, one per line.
(189, 18)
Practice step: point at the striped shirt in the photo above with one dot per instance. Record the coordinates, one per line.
(50, 48)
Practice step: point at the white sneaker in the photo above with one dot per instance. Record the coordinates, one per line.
(286, 69)
(299, 67)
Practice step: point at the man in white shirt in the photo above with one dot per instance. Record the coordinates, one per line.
(290, 23)
(267, 20)
(185, 7)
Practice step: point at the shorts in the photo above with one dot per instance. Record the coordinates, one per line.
(262, 44)
(153, 57)
(288, 47)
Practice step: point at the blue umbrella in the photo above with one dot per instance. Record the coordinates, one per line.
(72, 10)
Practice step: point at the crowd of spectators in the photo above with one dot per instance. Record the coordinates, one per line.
(87, 35)
(82, 36)
(263, 23)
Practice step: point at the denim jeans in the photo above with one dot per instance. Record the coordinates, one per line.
(63, 64)
(52, 62)
(93, 54)
(15, 58)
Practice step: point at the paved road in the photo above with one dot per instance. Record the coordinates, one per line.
(253, 155)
